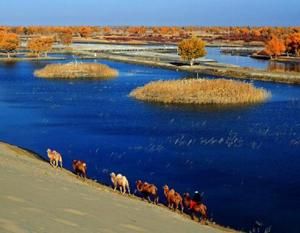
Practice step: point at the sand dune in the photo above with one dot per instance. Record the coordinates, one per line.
(37, 198)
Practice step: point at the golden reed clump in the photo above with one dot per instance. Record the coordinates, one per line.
(200, 91)
(76, 70)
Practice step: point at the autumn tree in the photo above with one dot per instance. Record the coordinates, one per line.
(9, 42)
(274, 47)
(66, 36)
(40, 45)
(293, 43)
(107, 30)
(85, 31)
(164, 30)
(191, 49)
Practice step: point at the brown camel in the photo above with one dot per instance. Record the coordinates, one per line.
(79, 168)
(147, 190)
(196, 208)
(174, 199)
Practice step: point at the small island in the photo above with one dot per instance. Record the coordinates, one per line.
(76, 70)
(200, 91)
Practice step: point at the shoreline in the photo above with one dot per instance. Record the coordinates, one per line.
(228, 72)
(217, 69)
(36, 173)
(17, 59)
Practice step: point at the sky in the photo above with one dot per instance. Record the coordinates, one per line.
(151, 12)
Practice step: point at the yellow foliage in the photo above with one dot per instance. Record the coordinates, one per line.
(9, 42)
(39, 45)
(191, 49)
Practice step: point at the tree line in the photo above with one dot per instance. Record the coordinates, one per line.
(39, 39)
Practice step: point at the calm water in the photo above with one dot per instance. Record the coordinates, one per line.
(245, 160)
(244, 61)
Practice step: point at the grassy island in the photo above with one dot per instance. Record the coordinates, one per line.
(76, 70)
(200, 91)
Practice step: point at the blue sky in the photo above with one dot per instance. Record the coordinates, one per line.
(153, 12)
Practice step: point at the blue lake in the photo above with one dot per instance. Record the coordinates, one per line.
(245, 159)
(246, 61)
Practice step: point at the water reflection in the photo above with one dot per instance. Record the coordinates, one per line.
(246, 61)
(283, 66)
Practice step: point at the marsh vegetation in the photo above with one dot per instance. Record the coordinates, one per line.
(200, 91)
(76, 70)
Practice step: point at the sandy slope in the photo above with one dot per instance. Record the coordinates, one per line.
(37, 198)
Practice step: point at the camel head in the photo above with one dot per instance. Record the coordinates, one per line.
(48, 151)
(138, 182)
(187, 199)
(186, 195)
(74, 164)
(166, 189)
(112, 175)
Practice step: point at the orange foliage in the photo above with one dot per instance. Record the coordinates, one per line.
(40, 45)
(66, 36)
(85, 31)
(274, 47)
(9, 42)
(137, 30)
(107, 30)
(293, 43)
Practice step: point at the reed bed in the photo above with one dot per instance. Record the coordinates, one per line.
(200, 91)
(77, 70)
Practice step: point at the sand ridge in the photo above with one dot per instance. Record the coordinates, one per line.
(34, 197)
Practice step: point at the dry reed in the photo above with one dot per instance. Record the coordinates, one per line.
(76, 70)
(200, 91)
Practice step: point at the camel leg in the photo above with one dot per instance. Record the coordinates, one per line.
(128, 190)
(203, 218)
(193, 215)
(156, 200)
(61, 164)
(149, 200)
(182, 208)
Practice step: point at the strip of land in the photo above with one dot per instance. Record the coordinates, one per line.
(35, 197)
(160, 56)
(211, 69)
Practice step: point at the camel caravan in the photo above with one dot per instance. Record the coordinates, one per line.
(193, 205)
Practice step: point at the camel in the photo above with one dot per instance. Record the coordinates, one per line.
(79, 168)
(121, 182)
(54, 157)
(196, 208)
(174, 199)
(148, 190)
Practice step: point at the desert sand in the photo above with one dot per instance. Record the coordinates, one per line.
(34, 197)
